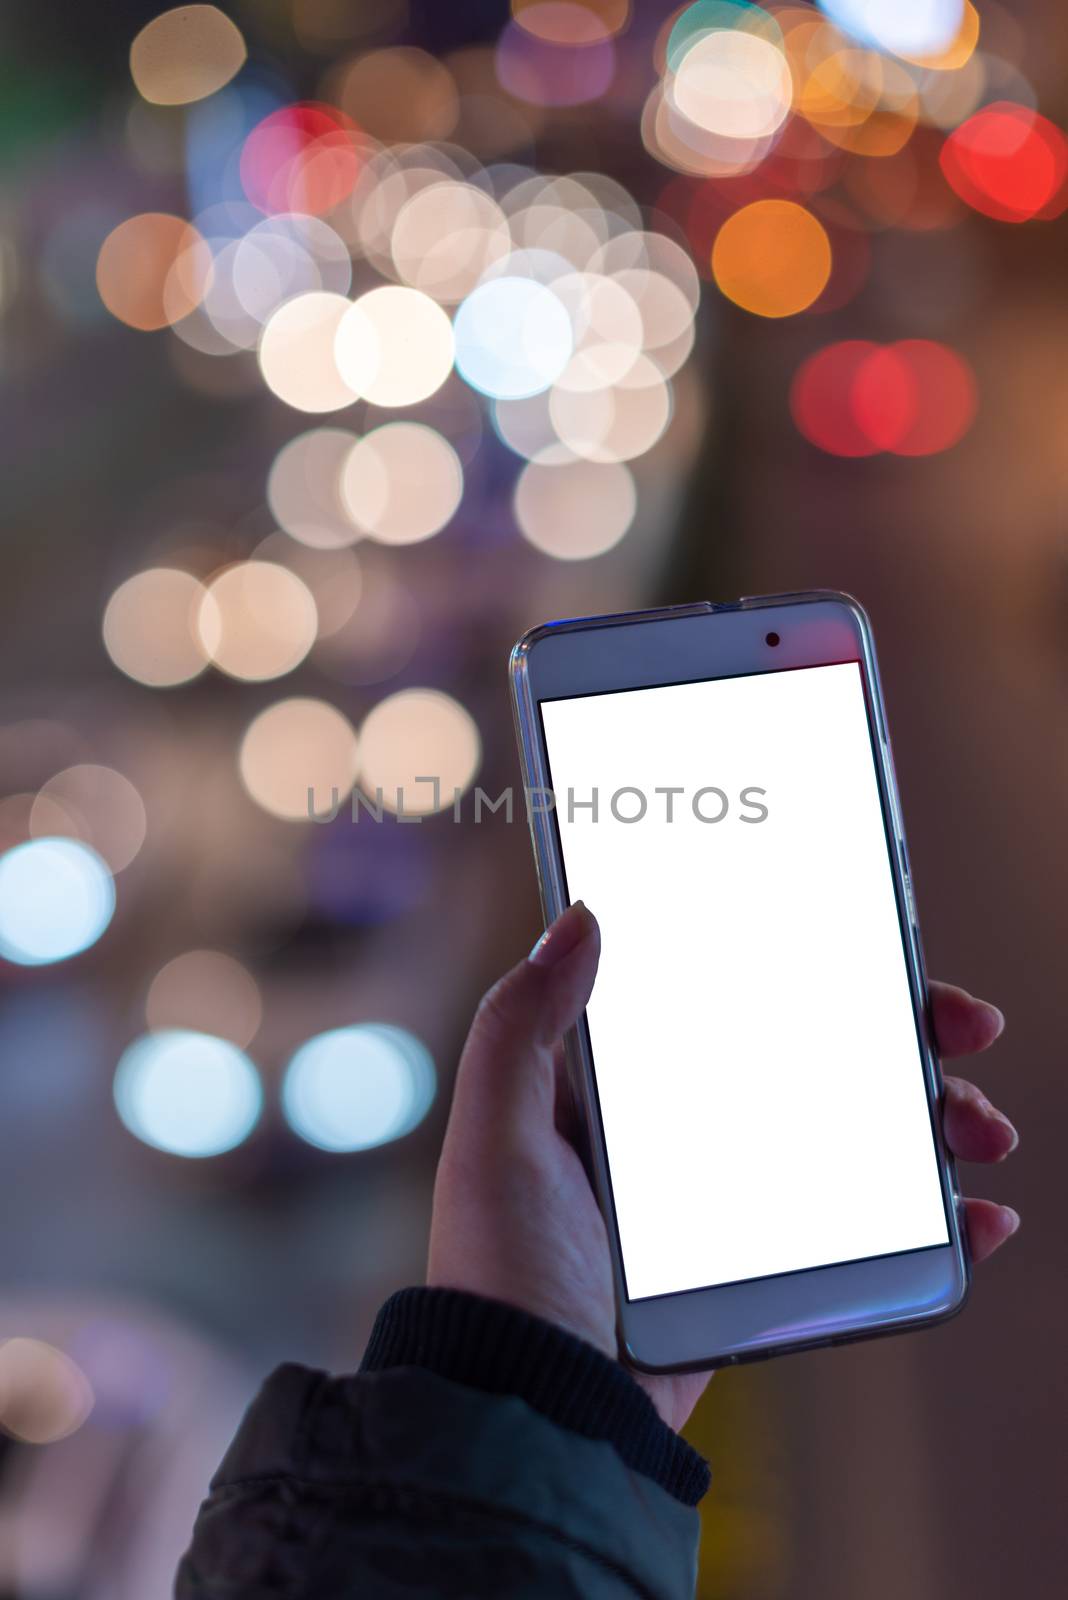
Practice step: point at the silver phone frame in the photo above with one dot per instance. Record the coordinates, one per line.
(704, 1328)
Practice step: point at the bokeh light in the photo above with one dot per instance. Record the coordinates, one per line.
(304, 489)
(884, 397)
(44, 1395)
(939, 397)
(304, 157)
(913, 398)
(446, 236)
(733, 83)
(257, 620)
(553, 507)
(280, 257)
(394, 346)
(576, 22)
(772, 258)
(548, 73)
(56, 899)
(152, 270)
(297, 353)
(389, 182)
(676, 142)
(185, 55)
(334, 577)
(209, 992)
(652, 252)
(1009, 163)
(666, 314)
(188, 1093)
(618, 422)
(418, 749)
(402, 483)
(607, 330)
(821, 398)
(946, 59)
(400, 95)
(357, 1087)
(298, 758)
(150, 627)
(95, 804)
(906, 27)
(513, 338)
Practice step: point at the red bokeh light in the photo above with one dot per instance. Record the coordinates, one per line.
(884, 398)
(821, 398)
(944, 398)
(305, 157)
(1009, 163)
(912, 398)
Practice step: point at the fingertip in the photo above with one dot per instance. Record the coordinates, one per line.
(975, 1130)
(993, 1016)
(563, 936)
(963, 1024)
(989, 1226)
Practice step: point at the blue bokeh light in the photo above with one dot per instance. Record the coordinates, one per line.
(56, 898)
(908, 27)
(357, 1087)
(189, 1093)
(513, 338)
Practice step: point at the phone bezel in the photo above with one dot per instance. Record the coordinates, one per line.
(700, 1328)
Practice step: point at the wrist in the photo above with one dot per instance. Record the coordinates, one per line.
(496, 1347)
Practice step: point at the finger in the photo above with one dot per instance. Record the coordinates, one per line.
(989, 1225)
(963, 1025)
(974, 1129)
(506, 1079)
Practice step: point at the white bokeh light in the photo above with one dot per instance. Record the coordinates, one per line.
(734, 84)
(56, 899)
(904, 27)
(446, 236)
(188, 1093)
(513, 338)
(394, 346)
(402, 483)
(303, 489)
(552, 507)
(356, 1087)
(296, 353)
(257, 620)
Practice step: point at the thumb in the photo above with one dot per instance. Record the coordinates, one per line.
(506, 1079)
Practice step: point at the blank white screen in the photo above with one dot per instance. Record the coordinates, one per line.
(753, 1039)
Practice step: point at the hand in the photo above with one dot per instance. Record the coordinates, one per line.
(514, 1215)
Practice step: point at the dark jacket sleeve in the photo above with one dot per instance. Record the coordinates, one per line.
(478, 1451)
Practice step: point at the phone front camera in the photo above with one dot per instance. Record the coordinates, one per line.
(771, 638)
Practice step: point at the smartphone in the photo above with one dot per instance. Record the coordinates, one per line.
(756, 1064)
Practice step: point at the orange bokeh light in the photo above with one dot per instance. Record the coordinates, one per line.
(152, 270)
(571, 22)
(772, 258)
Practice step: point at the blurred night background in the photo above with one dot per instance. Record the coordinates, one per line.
(341, 341)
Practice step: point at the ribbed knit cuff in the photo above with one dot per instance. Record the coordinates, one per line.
(489, 1345)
